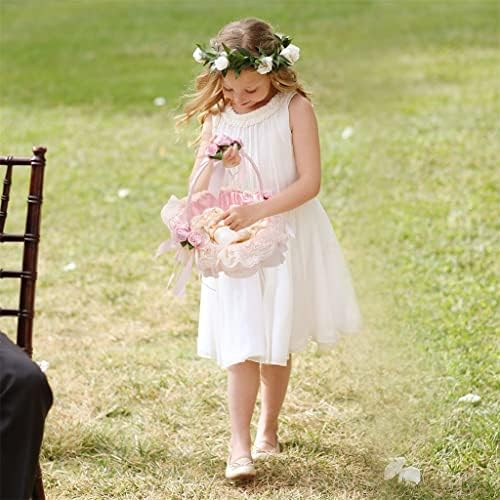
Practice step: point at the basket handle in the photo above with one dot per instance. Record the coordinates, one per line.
(204, 165)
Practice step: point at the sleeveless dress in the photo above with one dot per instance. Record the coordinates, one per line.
(275, 312)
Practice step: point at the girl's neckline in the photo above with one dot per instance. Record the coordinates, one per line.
(256, 115)
(268, 101)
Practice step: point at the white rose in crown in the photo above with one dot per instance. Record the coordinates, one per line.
(266, 65)
(222, 62)
(292, 53)
(198, 55)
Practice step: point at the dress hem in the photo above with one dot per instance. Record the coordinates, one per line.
(321, 346)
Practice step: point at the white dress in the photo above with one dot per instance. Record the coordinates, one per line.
(310, 296)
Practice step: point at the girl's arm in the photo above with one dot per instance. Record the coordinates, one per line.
(230, 158)
(306, 149)
(206, 136)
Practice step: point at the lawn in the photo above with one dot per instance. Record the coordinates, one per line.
(412, 195)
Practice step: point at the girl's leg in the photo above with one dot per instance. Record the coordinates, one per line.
(274, 382)
(242, 385)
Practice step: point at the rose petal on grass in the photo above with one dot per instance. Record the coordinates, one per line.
(123, 192)
(470, 398)
(160, 101)
(70, 266)
(410, 475)
(347, 132)
(394, 467)
(43, 365)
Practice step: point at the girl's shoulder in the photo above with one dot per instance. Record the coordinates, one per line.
(299, 103)
(300, 110)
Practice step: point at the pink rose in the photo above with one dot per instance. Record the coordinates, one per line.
(223, 140)
(173, 223)
(212, 149)
(196, 238)
(181, 232)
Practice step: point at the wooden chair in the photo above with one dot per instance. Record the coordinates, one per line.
(28, 275)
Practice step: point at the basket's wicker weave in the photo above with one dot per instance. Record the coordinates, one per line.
(28, 275)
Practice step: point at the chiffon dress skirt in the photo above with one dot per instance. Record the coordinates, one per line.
(310, 296)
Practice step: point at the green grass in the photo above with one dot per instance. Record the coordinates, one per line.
(412, 196)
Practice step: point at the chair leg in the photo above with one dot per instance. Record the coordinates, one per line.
(38, 493)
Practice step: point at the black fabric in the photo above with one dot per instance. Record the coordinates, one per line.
(25, 399)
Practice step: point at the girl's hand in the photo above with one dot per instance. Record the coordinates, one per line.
(237, 218)
(231, 157)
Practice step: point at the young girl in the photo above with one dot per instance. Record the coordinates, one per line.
(252, 325)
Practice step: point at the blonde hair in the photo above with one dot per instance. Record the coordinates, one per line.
(251, 34)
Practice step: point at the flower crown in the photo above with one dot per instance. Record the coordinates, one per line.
(286, 54)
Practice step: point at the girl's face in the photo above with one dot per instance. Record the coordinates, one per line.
(247, 92)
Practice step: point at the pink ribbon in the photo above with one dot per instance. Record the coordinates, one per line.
(167, 245)
(184, 257)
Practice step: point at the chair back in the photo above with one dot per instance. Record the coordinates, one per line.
(30, 239)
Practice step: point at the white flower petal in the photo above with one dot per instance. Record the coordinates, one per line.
(470, 398)
(266, 65)
(123, 192)
(160, 101)
(222, 62)
(71, 266)
(292, 53)
(263, 70)
(43, 365)
(347, 132)
(410, 475)
(198, 55)
(394, 467)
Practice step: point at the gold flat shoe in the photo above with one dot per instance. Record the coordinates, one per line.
(242, 469)
(259, 452)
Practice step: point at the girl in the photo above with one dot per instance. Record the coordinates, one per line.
(252, 325)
